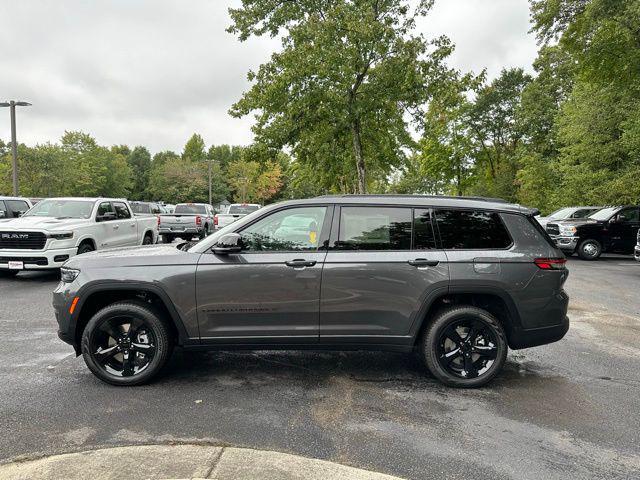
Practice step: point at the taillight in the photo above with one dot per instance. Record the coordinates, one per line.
(198, 220)
(215, 219)
(158, 220)
(551, 263)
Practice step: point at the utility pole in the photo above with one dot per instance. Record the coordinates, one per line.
(210, 181)
(12, 104)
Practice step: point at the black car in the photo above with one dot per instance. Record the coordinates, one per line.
(610, 230)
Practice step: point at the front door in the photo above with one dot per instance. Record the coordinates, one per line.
(623, 230)
(270, 291)
(381, 270)
(126, 226)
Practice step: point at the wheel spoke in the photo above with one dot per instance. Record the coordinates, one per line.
(142, 347)
(128, 365)
(489, 352)
(449, 357)
(452, 334)
(469, 367)
(104, 354)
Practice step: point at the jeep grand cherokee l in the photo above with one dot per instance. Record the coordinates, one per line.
(460, 280)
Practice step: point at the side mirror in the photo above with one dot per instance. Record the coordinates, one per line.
(229, 243)
(106, 217)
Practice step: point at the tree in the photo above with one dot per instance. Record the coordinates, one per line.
(139, 161)
(194, 149)
(224, 154)
(341, 88)
(254, 182)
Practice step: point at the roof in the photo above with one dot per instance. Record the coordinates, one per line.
(421, 200)
(3, 197)
(88, 199)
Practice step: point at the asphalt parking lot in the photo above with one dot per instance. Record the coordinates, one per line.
(566, 410)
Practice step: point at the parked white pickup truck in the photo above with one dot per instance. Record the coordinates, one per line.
(186, 221)
(57, 229)
(234, 213)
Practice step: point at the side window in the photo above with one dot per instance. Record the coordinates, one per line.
(471, 230)
(374, 228)
(155, 208)
(286, 230)
(18, 207)
(122, 211)
(629, 215)
(3, 210)
(423, 237)
(104, 208)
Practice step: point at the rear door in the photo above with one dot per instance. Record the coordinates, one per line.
(623, 230)
(125, 227)
(382, 268)
(270, 291)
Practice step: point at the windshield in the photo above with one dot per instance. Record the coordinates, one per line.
(562, 213)
(242, 209)
(62, 209)
(190, 209)
(605, 213)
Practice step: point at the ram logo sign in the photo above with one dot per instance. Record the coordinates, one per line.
(14, 236)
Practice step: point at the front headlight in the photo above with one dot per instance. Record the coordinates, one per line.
(567, 230)
(68, 275)
(60, 235)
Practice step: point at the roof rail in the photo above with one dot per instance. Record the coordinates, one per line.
(448, 197)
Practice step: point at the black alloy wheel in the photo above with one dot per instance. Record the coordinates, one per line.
(465, 347)
(126, 343)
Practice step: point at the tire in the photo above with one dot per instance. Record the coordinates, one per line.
(589, 249)
(147, 240)
(204, 233)
(9, 273)
(85, 248)
(167, 238)
(483, 356)
(151, 338)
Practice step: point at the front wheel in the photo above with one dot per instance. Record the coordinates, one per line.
(126, 343)
(589, 249)
(464, 347)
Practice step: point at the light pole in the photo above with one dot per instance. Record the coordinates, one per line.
(12, 104)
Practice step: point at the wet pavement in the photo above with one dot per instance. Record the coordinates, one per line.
(566, 410)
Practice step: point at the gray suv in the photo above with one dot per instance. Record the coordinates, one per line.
(459, 280)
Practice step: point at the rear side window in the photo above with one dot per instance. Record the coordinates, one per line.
(190, 209)
(423, 237)
(3, 210)
(471, 230)
(121, 210)
(374, 228)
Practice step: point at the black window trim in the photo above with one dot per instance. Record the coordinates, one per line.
(113, 205)
(324, 230)
(95, 217)
(469, 209)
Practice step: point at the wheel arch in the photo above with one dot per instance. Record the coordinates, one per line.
(92, 298)
(87, 239)
(497, 302)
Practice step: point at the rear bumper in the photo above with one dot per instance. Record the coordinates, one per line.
(37, 259)
(178, 230)
(526, 338)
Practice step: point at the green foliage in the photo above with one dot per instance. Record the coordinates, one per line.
(140, 162)
(339, 92)
(194, 149)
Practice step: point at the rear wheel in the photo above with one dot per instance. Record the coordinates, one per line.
(126, 343)
(148, 239)
(167, 238)
(589, 249)
(464, 347)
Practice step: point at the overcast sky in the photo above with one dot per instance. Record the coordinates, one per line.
(153, 72)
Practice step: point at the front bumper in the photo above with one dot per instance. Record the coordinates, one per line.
(636, 253)
(565, 243)
(37, 259)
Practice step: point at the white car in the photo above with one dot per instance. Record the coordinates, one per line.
(57, 229)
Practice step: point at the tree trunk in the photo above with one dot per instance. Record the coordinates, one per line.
(357, 150)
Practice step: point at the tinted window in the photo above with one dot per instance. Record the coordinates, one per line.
(471, 229)
(584, 212)
(121, 210)
(629, 215)
(286, 230)
(374, 228)
(3, 210)
(190, 209)
(18, 207)
(423, 238)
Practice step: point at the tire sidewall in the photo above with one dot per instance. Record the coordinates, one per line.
(152, 321)
(440, 323)
(85, 248)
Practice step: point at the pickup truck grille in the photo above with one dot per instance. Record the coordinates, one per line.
(22, 240)
(553, 229)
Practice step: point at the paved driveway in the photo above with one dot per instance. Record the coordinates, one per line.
(567, 410)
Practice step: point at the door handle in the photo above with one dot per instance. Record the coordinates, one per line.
(116, 227)
(299, 262)
(132, 225)
(423, 262)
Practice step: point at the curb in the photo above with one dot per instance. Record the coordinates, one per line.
(183, 461)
